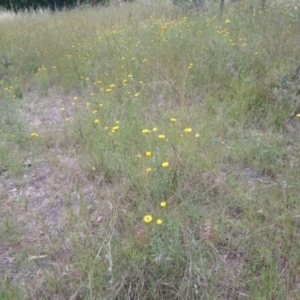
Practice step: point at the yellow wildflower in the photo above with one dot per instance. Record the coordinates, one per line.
(148, 153)
(165, 164)
(163, 204)
(159, 221)
(188, 130)
(147, 219)
(173, 120)
(96, 121)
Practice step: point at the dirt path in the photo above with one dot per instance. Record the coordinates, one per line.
(38, 207)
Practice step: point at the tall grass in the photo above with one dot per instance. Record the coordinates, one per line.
(177, 121)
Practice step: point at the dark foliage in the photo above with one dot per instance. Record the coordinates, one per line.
(18, 5)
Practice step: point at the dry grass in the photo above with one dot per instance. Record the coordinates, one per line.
(111, 115)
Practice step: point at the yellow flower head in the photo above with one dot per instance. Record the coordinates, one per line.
(298, 115)
(147, 219)
(34, 134)
(148, 170)
(163, 204)
(165, 164)
(173, 120)
(96, 121)
(148, 153)
(188, 130)
(197, 135)
(145, 130)
(154, 129)
(159, 221)
(115, 128)
(227, 21)
(161, 136)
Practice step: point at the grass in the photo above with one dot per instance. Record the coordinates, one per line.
(114, 116)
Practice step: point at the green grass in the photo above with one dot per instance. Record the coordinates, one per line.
(107, 112)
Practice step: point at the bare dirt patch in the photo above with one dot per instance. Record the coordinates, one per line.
(41, 206)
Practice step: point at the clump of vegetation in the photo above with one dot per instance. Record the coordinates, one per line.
(149, 152)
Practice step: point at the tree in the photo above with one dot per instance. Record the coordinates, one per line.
(17, 5)
(222, 6)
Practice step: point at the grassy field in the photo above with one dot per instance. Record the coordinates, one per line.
(149, 151)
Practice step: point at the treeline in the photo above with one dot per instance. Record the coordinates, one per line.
(18, 5)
